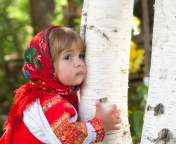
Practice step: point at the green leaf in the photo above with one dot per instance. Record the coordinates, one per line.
(142, 90)
(143, 103)
(77, 20)
(138, 122)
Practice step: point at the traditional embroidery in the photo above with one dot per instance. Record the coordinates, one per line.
(53, 101)
(50, 103)
(99, 128)
(69, 133)
(66, 104)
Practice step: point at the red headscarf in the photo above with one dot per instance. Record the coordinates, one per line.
(37, 65)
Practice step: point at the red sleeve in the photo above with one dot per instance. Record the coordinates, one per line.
(58, 112)
(99, 129)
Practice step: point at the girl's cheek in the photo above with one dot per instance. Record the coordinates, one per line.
(67, 77)
(65, 80)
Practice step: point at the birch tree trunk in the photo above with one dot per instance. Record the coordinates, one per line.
(160, 116)
(106, 28)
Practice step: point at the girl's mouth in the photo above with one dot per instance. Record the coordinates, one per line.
(80, 73)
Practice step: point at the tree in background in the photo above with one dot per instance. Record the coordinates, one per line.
(138, 12)
(41, 11)
(159, 121)
(138, 77)
(72, 13)
(106, 29)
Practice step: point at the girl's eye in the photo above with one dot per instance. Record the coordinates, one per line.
(82, 56)
(67, 57)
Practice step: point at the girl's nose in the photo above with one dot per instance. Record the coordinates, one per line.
(79, 62)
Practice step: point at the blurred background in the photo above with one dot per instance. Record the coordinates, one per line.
(20, 20)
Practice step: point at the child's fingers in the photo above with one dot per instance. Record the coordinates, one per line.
(98, 107)
(113, 109)
(116, 127)
(116, 121)
(119, 120)
(118, 113)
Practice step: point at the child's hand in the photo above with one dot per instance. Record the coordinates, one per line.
(110, 118)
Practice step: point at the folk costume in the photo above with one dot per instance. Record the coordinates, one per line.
(45, 110)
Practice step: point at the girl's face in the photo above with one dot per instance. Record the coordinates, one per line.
(70, 66)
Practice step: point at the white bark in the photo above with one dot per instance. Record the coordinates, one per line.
(106, 27)
(161, 128)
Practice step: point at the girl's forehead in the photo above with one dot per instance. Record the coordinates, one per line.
(74, 47)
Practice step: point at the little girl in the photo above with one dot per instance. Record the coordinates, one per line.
(45, 109)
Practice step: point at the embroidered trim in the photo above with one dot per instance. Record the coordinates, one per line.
(99, 129)
(69, 133)
(46, 105)
(50, 103)
(66, 104)
(43, 86)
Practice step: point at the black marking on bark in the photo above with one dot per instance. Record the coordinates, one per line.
(123, 71)
(84, 32)
(148, 75)
(159, 109)
(103, 99)
(149, 108)
(115, 30)
(98, 31)
(91, 27)
(165, 135)
(85, 14)
(125, 132)
(105, 36)
(163, 74)
(84, 26)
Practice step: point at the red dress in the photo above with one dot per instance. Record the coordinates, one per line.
(62, 119)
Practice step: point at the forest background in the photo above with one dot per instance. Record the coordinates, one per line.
(20, 20)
